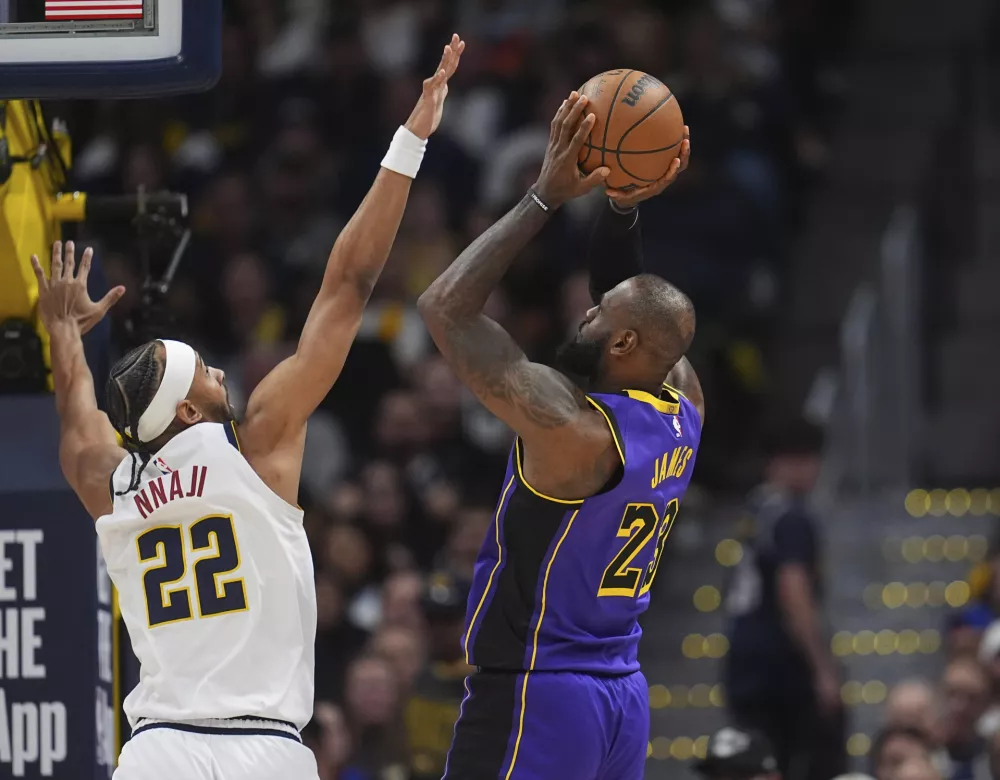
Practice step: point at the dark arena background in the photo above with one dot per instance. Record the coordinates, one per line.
(838, 230)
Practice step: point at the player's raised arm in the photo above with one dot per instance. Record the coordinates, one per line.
(88, 448)
(543, 406)
(277, 410)
(615, 250)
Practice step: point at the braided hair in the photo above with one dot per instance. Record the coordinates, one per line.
(130, 388)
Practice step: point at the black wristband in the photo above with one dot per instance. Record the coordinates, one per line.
(539, 202)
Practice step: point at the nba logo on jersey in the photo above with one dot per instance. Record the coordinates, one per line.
(678, 431)
(163, 466)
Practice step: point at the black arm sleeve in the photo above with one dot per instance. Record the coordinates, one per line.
(615, 251)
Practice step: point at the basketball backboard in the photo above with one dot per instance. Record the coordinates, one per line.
(108, 48)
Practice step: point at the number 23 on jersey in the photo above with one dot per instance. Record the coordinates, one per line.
(638, 525)
(164, 548)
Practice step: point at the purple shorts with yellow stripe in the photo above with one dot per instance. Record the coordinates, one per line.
(551, 726)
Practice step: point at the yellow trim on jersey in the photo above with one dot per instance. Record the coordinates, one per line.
(664, 407)
(236, 436)
(674, 390)
(619, 444)
(520, 474)
(116, 683)
(534, 644)
(489, 582)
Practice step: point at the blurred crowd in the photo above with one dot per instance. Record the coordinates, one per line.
(401, 465)
(949, 728)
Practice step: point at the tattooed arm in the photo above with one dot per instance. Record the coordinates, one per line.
(569, 450)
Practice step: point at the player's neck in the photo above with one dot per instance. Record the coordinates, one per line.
(620, 384)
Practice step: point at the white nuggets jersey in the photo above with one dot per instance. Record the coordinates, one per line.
(215, 583)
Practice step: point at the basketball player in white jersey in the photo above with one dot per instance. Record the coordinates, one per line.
(198, 523)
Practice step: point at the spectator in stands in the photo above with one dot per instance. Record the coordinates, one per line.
(910, 704)
(964, 629)
(896, 746)
(437, 695)
(989, 657)
(780, 676)
(966, 695)
(735, 754)
(327, 736)
(372, 707)
(995, 757)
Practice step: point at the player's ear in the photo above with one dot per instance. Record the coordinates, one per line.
(624, 342)
(188, 413)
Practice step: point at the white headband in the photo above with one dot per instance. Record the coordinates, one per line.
(178, 376)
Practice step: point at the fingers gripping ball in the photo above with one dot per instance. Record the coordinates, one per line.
(639, 128)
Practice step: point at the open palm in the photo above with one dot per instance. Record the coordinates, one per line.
(426, 115)
(63, 296)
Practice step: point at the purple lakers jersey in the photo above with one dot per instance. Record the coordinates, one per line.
(559, 585)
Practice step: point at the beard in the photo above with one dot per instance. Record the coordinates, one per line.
(581, 357)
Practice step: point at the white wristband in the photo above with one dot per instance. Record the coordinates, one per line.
(405, 154)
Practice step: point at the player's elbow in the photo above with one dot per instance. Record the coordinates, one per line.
(429, 305)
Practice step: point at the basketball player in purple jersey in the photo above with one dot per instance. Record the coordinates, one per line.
(593, 485)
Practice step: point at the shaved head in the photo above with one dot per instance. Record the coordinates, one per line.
(633, 337)
(663, 317)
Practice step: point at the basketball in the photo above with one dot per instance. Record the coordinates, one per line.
(638, 131)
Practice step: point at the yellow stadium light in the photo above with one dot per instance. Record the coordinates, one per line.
(842, 643)
(692, 646)
(660, 748)
(701, 746)
(993, 505)
(930, 641)
(728, 552)
(682, 748)
(864, 642)
(700, 695)
(958, 502)
(886, 642)
(659, 697)
(894, 595)
(913, 549)
(935, 594)
(934, 548)
(938, 503)
(979, 502)
(957, 593)
(850, 693)
(917, 503)
(916, 594)
(908, 642)
(874, 692)
(872, 595)
(956, 548)
(716, 645)
(707, 598)
(678, 696)
(858, 745)
(717, 696)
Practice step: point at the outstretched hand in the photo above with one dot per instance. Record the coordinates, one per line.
(628, 199)
(426, 115)
(561, 179)
(63, 296)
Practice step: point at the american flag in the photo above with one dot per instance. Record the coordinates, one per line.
(60, 10)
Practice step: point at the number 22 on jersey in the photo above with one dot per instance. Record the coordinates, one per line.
(638, 525)
(164, 547)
